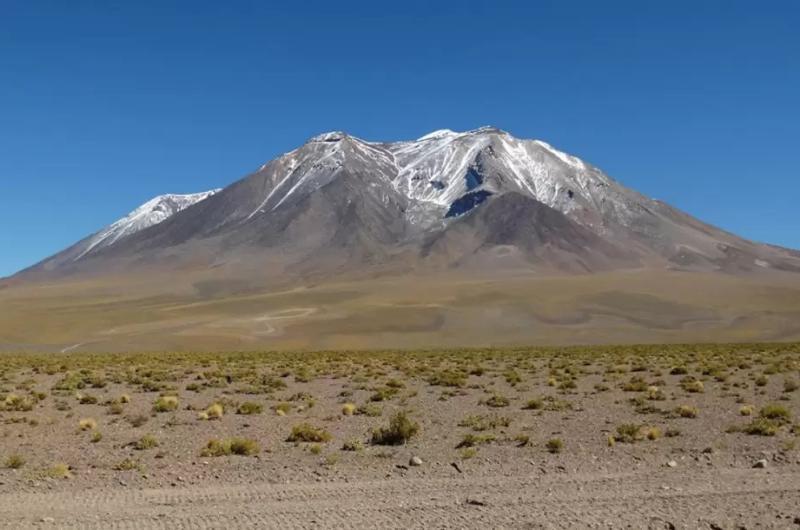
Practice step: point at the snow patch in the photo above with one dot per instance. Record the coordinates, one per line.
(153, 212)
(564, 157)
(331, 136)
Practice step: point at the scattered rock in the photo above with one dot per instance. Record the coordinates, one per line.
(401, 466)
(672, 463)
(48, 520)
(475, 502)
(760, 464)
(708, 450)
(415, 461)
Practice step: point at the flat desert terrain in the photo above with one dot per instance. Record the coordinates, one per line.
(207, 311)
(694, 436)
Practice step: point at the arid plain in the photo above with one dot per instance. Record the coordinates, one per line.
(697, 436)
(439, 400)
(195, 311)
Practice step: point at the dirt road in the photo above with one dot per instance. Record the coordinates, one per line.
(732, 498)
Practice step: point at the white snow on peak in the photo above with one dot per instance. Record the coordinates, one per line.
(564, 157)
(330, 136)
(439, 168)
(437, 134)
(151, 213)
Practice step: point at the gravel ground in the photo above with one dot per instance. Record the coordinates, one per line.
(485, 443)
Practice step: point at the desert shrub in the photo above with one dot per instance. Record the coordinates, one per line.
(690, 384)
(213, 412)
(395, 383)
(497, 401)
(15, 403)
(635, 384)
(746, 410)
(468, 452)
(231, 446)
(652, 433)
(522, 440)
(687, 411)
(148, 441)
(348, 409)
(369, 409)
(87, 424)
(353, 445)
(14, 461)
(761, 427)
(534, 404)
(484, 423)
(165, 404)
(87, 399)
(306, 432)
(631, 433)
(512, 377)
(282, 409)
(126, 464)
(58, 471)
(776, 412)
(448, 378)
(248, 408)
(384, 394)
(399, 431)
(472, 440)
(554, 445)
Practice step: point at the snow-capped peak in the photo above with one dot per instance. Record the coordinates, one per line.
(445, 167)
(441, 133)
(330, 136)
(151, 213)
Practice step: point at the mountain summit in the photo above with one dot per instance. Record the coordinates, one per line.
(477, 199)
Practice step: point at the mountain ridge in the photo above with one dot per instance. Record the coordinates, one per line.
(340, 198)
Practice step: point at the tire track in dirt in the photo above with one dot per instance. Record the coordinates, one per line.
(643, 500)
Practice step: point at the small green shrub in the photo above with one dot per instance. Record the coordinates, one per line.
(398, 432)
(248, 408)
(14, 461)
(761, 427)
(148, 441)
(554, 445)
(776, 412)
(231, 446)
(497, 401)
(306, 432)
(165, 404)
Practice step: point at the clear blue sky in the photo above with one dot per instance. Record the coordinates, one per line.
(106, 104)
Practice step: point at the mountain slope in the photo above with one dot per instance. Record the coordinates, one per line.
(480, 198)
(151, 213)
